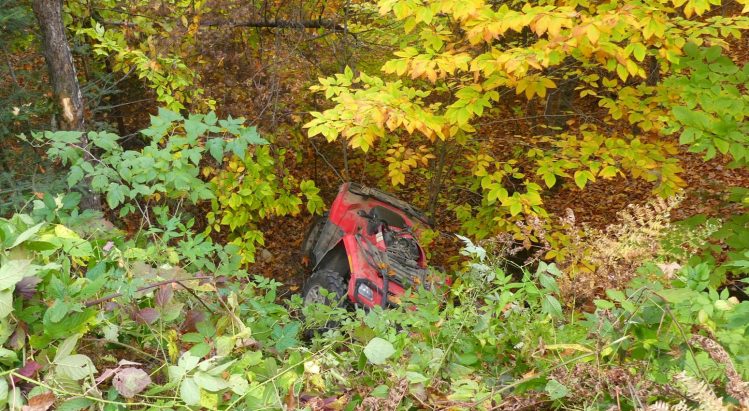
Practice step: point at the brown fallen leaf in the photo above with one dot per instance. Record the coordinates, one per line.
(40, 402)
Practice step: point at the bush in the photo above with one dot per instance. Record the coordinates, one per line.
(98, 320)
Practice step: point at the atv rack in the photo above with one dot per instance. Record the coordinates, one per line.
(386, 198)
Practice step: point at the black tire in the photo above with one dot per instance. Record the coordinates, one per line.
(328, 280)
(337, 296)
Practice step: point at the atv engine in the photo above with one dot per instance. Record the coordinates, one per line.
(403, 259)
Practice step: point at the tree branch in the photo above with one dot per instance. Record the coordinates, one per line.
(291, 24)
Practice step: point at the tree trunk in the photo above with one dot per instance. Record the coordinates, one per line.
(60, 62)
(63, 77)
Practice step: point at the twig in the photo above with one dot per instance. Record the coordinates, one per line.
(200, 300)
(326, 160)
(147, 287)
(123, 345)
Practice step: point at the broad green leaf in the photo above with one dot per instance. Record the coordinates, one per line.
(75, 367)
(189, 392)
(75, 175)
(115, 195)
(188, 361)
(616, 295)
(12, 272)
(76, 404)
(66, 347)
(251, 136)
(7, 357)
(378, 350)
(3, 391)
(416, 377)
(216, 148)
(551, 306)
(581, 178)
(556, 390)
(27, 234)
(238, 384)
(210, 382)
(58, 310)
(604, 304)
(550, 179)
(6, 303)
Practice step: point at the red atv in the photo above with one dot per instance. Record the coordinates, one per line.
(363, 249)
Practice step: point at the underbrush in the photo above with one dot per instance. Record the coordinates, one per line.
(89, 320)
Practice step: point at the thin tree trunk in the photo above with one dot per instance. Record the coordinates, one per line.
(436, 183)
(63, 76)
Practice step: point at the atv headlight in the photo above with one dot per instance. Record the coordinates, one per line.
(365, 292)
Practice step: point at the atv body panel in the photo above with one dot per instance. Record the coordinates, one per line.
(369, 237)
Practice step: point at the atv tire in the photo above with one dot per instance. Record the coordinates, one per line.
(337, 296)
(328, 280)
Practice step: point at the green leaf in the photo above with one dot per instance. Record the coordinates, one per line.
(7, 357)
(381, 391)
(75, 404)
(27, 234)
(209, 382)
(104, 140)
(550, 305)
(115, 195)
(6, 303)
(550, 179)
(608, 172)
(194, 128)
(75, 367)
(75, 175)
(58, 311)
(548, 282)
(216, 148)
(189, 392)
(721, 144)
(3, 391)
(66, 347)
(12, 272)
(616, 295)
(378, 350)
(581, 178)
(556, 390)
(238, 384)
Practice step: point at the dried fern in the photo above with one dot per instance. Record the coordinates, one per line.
(609, 258)
(696, 391)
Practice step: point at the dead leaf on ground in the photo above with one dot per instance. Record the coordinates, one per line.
(41, 402)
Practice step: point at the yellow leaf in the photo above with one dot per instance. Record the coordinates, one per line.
(593, 34)
(431, 75)
(530, 90)
(632, 67)
(542, 24)
(622, 72)
(548, 83)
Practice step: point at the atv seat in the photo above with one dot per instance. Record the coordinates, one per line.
(389, 216)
